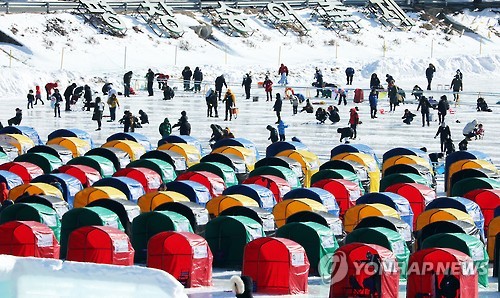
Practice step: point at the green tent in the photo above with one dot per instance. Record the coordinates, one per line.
(392, 179)
(336, 174)
(4, 158)
(387, 238)
(87, 216)
(224, 171)
(279, 171)
(148, 224)
(103, 165)
(47, 162)
(318, 241)
(35, 212)
(227, 237)
(163, 168)
(460, 188)
(467, 244)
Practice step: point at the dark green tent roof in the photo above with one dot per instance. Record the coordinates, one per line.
(463, 186)
(163, 168)
(391, 179)
(282, 172)
(47, 162)
(103, 165)
(224, 171)
(336, 174)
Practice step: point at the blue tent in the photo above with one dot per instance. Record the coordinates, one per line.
(317, 194)
(404, 151)
(30, 132)
(196, 192)
(69, 184)
(132, 136)
(354, 148)
(260, 194)
(130, 187)
(241, 142)
(461, 155)
(395, 201)
(72, 132)
(468, 206)
(172, 139)
(11, 180)
(278, 147)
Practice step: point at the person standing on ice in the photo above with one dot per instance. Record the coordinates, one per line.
(219, 82)
(67, 96)
(98, 111)
(48, 88)
(247, 83)
(429, 74)
(374, 81)
(444, 133)
(268, 87)
(150, 77)
(278, 104)
(283, 72)
(456, 86)
(230, 100)
(373, 99)
(127, 78)
(187, 73)
(424, 106)
(443, 107)
(281, 130)
(57, 99)
(31, 98)
(113, 103)
(197, 78)
(354, 121)
(38, 95)
(349, 73)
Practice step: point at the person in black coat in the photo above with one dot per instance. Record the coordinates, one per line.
(183, 124)
(31, 99)
(211, 98)
(389, 79)
(349, 73)
(456, 86)
(67, 96)
(277, 107)
(273, 134)
(424, 106)
(345, 133)
(247, 83)
(482, 106)
(168, 92)
(443, 107)
(16, 120)
(105, 88)
(444, 134)
(127, 78)
(219, 82)
(87, 96)
(217, 133)
(374, 81)
(143, 117)
(333, 114)
(186, 76)
(57, 103)
(318, 76)
(197, 78)
(408, 117)
(150, 77)
(429, 74)
(321, 115)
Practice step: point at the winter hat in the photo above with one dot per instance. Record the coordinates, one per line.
(443, 97)
(183, 113)
(443, 124)
(31, 91)
(357, 109)
(18, 110)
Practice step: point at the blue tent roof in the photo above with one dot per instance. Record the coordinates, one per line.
(354, 148)
(404, 151)
(278, 147)
(132, 136)
(30, 132)
(461, 155)
(130, 187)
(395, 201)
(12, 180)
(196, 192)
(72, 132)
(462, 204)
(69, 184)
(183, 139)
(260, 194)
(242, 142)
(317, 194)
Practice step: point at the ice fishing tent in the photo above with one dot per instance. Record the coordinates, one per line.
(245, 154)
(183, 139)
(152, 200)
(467, 244)
(318, 241)
(118, 157)
(435, 215)
(238, 142)
(190, 152)
(34, 189)
(323, 218)
(422, 284)
(47, 162)
(391, 179)
(317, 194)
(21, 142)
(404, 151)
(134, 149)
(27, 131)
(352, 166)
(356, 273)
(69, 184)
(220, 203)
(77, 146)
(262, 216)
(103, 165)
(33, 212)
(163, 168)
(406, 160)
(391, 223)
(472, 173)
(468, 164)
(197, 215)
(217, 168)
(86, 216)
(493, 231)
(308, 161)
(212, 182)
(263, 196)
(230, 160)
(345, 192)
(194, 191)
(447, 226)
(462, 155)
(275, 148)
(4, 158)
(488, 200)
(277, 185)
(148, 224)
(175, 159)
(227, 237)
(370, 164)
(395, 201)
(28, 239)
(149, 179)
(468, 184)
(10, 179)
(337, 174)
(92, 193)
(59, 205)
(9, 151)
(125, 210)
(355, 214)
(71, 132)
(264, 257)
(26, 170)
(282, 172)
(413, 169)
(132, 136)
(132, 189)
(283, 161)
(418, 195)
(354, 148)
(63, 153)
(185, 256)
(286, 208)
(101, 245)
(462, 204)
(85, 174)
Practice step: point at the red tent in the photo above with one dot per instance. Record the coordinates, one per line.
(277, 266)
(361, 269)
(427, 268)
(418, 195)
(26, 170)
(277, 185)
(28, 239)
(85, 174)
(488, 200)
(214, 183)
(345, 192)
(100, 244)
(148, 178)
(186, 256)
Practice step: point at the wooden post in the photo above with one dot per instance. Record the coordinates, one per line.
(336, 49)
(279, 55)
(62, 58)
(125, 58)
(10, 59)
(432, 48)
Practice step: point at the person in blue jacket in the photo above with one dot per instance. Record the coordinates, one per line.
(373, 99)
(281, 130)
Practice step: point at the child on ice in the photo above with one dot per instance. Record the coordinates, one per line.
(281, 130)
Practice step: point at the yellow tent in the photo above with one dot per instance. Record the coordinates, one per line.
(284, 209)
(220, 203)
(355, 214)
(368, 162)
(468, 164)
(434, 215)
(21, 142)
(90, 194)
(150, 201)
(77, 146)
(134, 149)
(190, 152)
(493, 230)
(406, 159)
(38, 188)
(246, 154)
(308, 160)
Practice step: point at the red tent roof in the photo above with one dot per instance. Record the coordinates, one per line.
(345, 192)
(277, 185)
(214, 183)
(85, 174)
(28, 239)
(488, 200)
(148, 178)
(26, 170)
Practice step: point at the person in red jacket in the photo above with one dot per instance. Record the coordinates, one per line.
(48, 88)
(38, 95)
(283, 72)
(268, 87)
(354, 120)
